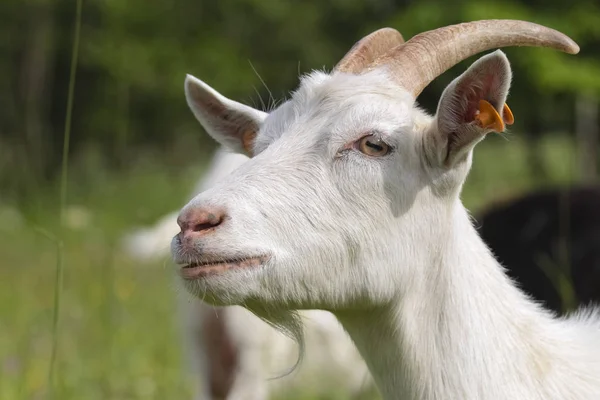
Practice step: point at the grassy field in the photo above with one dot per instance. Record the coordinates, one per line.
(118, 336)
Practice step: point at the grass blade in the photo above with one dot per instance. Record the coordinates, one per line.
(63, 196)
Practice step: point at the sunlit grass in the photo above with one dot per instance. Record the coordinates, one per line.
(118, 337)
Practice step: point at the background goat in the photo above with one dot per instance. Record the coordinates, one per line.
(549, 242)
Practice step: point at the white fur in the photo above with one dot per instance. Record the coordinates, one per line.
(331, 364)
(384, 243)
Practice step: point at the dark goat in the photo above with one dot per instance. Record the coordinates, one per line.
(528, 236)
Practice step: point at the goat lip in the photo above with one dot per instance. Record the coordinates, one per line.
(202, 269)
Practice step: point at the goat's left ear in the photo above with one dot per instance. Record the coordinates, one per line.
(471, 106)
(232, 124)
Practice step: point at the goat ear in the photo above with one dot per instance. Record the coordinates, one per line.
(232, 124)
(471, 106)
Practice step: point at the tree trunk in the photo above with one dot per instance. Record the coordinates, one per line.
(36, 67)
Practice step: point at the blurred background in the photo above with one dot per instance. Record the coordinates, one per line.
(135, 153)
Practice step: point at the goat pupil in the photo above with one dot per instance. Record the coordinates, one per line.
(374, 146)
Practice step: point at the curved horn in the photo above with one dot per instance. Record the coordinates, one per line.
(368, 49)
(427, 55)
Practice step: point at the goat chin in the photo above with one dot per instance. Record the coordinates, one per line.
(262, 356)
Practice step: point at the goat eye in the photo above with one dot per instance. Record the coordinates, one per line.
(372, 146)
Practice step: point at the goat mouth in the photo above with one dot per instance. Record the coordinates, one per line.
(204, 269)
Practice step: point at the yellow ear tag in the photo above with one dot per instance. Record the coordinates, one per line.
(488, 117)
(507, 115)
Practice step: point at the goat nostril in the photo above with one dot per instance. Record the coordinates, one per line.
(205, 221)
(199, 221)
(204, 226)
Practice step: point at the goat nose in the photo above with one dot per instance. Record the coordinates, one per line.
(197, 221)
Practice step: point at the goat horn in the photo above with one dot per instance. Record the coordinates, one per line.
(368, 49)
(424, 57)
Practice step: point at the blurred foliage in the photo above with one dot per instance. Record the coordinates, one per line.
(135, 54)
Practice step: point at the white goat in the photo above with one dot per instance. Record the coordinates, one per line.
(232, 352)
(351, 204)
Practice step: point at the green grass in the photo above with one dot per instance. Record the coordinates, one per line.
(118, 336)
